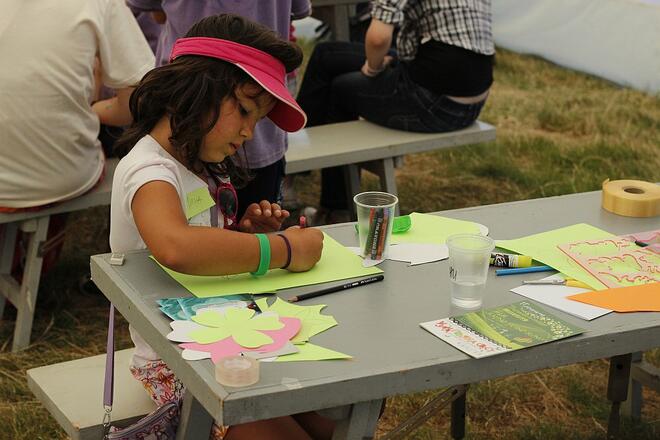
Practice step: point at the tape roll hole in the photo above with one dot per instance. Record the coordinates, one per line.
(633, 190)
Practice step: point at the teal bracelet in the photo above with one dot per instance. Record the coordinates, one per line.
(264, 255)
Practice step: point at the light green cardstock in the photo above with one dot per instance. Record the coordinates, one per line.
(312, 322)
(543, 247)
(433, 229)
(198, 201)
(336, 263)
(311, 352)
(238, 323)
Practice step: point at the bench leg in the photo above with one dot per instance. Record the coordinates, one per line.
(384, 169)
(27, 298)
(337, 17)
(195, 422)
(7, 246)
(617, 390)
(352, 176)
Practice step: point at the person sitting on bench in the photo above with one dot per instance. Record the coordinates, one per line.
(49, 150)
(438, 81)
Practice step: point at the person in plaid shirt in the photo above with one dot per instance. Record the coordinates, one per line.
(437, 80)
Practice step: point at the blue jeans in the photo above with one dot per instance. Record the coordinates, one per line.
(334, 90)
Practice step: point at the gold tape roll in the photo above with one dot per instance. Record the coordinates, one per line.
(631, 198)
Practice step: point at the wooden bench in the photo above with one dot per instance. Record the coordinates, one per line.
(361, 144)
(73, 393)
(35, 224)
(642, 374)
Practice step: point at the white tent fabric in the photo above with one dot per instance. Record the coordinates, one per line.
(618, 40)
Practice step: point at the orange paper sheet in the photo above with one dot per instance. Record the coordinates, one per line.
(642, 298)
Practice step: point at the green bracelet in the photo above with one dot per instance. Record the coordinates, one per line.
(264, 255)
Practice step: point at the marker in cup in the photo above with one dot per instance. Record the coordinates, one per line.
(375, 213)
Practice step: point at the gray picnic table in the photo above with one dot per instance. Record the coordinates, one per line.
(379, 327)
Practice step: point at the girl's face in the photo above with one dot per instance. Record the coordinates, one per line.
(236, 121)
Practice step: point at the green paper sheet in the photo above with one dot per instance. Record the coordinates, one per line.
(337, 263)
(433, 229)
(197, 201)
(543, 247)
(311, 352)
(312, 322)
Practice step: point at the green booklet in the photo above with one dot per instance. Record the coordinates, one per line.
(501, 329)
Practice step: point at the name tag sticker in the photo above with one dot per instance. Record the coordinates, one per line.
(198, 201)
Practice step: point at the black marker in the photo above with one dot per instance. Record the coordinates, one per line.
(361, 282)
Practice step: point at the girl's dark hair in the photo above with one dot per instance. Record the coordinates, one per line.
(191, 88)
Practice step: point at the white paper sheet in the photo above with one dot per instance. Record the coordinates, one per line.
(555, 296)
(413, 253)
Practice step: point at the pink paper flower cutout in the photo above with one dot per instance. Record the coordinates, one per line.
(228, 347)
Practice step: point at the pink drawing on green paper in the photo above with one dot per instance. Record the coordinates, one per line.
(616, 262)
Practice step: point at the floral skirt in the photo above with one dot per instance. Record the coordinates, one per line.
(164, 387)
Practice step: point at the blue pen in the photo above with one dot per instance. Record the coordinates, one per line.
(515, 270)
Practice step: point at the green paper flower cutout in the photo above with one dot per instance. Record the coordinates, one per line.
(237, 323)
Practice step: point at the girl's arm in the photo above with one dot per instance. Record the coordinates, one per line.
(200, 250)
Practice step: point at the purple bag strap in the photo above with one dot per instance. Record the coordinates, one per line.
(108, 388)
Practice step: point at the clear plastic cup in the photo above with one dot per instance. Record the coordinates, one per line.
(469, 256)
(375, 213)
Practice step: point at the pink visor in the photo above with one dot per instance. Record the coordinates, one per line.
(265, 69)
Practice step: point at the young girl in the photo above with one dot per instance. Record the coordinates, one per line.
(190, 118)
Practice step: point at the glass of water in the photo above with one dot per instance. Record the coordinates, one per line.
(469, 256)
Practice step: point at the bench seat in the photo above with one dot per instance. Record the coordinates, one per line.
(35, 224)
(362, 144)
(73, 393)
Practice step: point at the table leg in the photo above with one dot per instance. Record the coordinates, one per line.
(458, 411)
(358, 422)
(632, 407)
(195, 422)
(617, 390)
(442, 399)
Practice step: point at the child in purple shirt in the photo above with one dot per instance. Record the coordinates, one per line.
(265, 152)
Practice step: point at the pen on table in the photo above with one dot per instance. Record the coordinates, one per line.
(358, 283)
(517, 270)
(303, 222)
(569, 282)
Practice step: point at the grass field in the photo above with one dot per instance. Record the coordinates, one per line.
(558, 132)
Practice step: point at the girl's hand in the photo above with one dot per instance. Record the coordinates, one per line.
(306, 248)
(262, 217)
